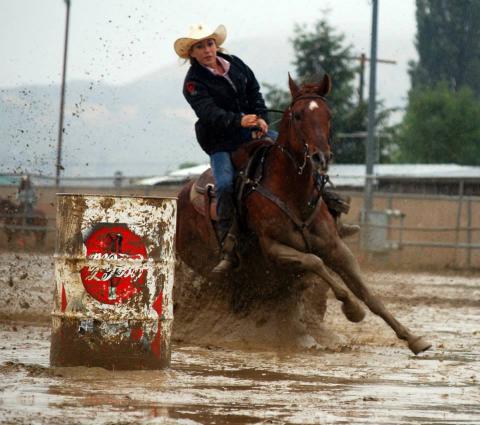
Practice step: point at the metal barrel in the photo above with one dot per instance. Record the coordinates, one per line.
(114, 271)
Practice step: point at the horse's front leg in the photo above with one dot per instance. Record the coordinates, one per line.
(285, 256)
(341, 260)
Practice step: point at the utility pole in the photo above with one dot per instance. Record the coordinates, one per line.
(370, 151)
(363, 60)
(58, 165)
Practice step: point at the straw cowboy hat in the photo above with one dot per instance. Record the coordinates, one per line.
(197, 33)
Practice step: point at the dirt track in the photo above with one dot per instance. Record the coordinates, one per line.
(358, 373)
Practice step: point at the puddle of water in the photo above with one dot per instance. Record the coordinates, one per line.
(372, 380)
(367, 385)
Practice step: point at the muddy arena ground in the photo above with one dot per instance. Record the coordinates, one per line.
(347, 374)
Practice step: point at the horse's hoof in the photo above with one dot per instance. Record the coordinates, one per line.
(353, 311)
(417, 345)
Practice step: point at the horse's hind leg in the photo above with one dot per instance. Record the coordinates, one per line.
(283, 255)
(343, 262)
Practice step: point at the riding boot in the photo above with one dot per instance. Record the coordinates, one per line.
(229, 257)
(227, 230)
(338, 204)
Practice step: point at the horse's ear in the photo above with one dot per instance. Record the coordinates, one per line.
(294, 89)
(325, 85)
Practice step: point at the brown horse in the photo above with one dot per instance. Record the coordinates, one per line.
(295, 236)
(16, 222)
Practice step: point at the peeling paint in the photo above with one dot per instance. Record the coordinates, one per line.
(102, 290)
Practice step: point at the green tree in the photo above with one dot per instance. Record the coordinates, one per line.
(323, 49)
(448, 44)
(441, 126)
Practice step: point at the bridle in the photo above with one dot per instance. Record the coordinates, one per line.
(300, 167)
(302, 225)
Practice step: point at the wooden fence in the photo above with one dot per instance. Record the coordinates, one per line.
(421, 230)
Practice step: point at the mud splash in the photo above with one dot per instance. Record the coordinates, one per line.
(363, 376)
(362, 384)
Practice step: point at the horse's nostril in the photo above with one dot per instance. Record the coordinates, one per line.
(318, 158)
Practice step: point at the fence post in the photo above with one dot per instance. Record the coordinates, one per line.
(400, 236)
(390, 232)
(469, 233)
(459, 220)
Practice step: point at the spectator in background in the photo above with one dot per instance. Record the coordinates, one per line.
(27, 198)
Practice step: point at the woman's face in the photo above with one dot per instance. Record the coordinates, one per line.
(205, 52)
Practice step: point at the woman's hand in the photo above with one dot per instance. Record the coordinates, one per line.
(249, 120)
(263, 126)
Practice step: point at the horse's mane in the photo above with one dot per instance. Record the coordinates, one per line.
(309, 88)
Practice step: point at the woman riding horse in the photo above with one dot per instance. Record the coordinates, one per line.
(226, 97)
(296, 236)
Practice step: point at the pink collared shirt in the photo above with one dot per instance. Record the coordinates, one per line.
(226, 67)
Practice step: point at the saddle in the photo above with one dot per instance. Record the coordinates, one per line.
(202, 195)
(248, 159)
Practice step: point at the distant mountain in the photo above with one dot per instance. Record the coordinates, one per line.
(141, 128)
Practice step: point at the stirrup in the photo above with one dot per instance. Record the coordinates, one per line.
(229, 258)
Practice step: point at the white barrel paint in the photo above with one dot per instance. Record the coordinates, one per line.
(114, 272)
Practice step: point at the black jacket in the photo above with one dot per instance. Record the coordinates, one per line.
(219, 107)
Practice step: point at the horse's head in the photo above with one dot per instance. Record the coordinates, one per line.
(309, 124)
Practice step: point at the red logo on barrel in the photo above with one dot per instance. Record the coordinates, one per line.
(117, 270)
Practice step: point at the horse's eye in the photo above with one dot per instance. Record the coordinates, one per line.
(297, 116)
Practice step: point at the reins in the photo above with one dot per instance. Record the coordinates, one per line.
(306, 156)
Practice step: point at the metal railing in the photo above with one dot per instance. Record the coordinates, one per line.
(458, 230)
(464, 234)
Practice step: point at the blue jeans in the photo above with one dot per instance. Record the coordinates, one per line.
(224, 176)
(272, 134)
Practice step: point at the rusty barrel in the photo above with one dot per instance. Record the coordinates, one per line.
(114, 270)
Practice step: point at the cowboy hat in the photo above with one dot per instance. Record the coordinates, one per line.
(197, 33)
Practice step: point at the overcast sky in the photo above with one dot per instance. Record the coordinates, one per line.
(118, 41)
